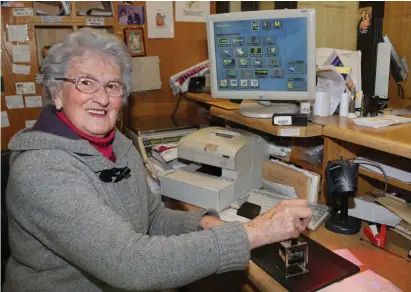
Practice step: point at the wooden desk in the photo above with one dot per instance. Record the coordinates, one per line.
(393, 139)
(390, 266)
(265, 125)
(343, 139)
(207, 99)
(393, 268)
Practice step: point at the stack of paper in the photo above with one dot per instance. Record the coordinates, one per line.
(305, 183)
(381, 121)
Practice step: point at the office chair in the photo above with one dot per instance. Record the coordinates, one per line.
(5, 251)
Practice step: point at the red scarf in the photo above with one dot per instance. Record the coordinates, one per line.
(103, 145)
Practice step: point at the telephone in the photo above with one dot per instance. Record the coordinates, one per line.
(179, 82)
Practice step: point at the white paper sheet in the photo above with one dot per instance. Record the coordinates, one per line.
(331, 80)
(25, 88)
(17, 33)
(192, 11)
(230, 215)
(33, 101)
(21, 53)
(160, 19)
(374, 213)
(367, 281)
(30, 123)
(21, 69)
(345, 253)
(5, 120)
(279, 188)
(14, 101)
(22, 11)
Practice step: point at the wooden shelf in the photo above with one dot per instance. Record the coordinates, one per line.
(71, 21)
(380, 177)
(317, 167)
(265, 125)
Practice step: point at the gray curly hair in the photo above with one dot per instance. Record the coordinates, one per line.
(84, 40)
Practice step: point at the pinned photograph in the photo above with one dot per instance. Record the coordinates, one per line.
(135, 41)
(131, 15)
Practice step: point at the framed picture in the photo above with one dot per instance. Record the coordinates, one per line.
(135, 41)
(131, 15)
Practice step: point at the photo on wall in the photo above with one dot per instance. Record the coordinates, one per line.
(131, 14)
(134, 38)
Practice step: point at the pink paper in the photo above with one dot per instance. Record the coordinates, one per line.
(345, 253)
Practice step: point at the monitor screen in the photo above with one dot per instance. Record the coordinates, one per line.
(263, 55)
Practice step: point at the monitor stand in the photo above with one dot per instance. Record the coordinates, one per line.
(266, 109)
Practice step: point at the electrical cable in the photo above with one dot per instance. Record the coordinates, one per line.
(180, 96)
(400, 90)
(369, 162)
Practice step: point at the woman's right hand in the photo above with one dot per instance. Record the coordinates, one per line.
(284, 221)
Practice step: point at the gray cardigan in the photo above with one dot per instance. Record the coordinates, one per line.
(69, 231)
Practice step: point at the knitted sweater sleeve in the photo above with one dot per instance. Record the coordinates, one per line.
(60, 208)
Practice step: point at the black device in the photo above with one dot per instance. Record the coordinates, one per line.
(341, 182)
(290, 119)
(197, 84)
(249, 210)
(119, 174)
(324, 266)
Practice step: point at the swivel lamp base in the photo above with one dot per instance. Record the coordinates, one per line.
(349, 227)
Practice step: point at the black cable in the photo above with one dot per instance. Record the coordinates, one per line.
(178, 103)
(400, 90)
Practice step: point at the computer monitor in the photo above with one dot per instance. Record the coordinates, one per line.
(263, 55)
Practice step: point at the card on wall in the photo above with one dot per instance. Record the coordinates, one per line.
(160, 19)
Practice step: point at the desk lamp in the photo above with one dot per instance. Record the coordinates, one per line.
(341, 184)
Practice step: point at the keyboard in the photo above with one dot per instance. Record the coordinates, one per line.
(268, 199)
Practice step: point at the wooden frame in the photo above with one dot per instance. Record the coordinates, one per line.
(134, 38)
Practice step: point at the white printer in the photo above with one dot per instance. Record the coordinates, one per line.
(235, 159)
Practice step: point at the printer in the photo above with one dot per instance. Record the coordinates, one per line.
(224, 165)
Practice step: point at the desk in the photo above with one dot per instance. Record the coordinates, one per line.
(390, 266)
(343, 139)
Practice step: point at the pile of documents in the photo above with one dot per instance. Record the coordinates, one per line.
(289, 180)
(382, 121)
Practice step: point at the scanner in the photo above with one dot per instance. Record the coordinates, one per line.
(224, 165)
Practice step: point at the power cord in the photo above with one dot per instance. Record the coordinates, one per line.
(368, 162)
(180, 96)
(400, 90)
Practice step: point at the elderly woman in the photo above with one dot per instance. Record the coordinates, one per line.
(80, 222)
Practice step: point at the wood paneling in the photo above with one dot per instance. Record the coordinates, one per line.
(188, 48)
(397, 25)
(336, 23)
(17, 117)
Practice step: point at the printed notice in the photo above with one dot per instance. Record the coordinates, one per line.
(95, 21)
(51, 19)
(5, 120)
(33, 101)
(14, 101)
(21, 69)
(21, 53)
(22, 11)
(290, 132)
(30, 123)
(192, 11)
(25, 88)
(17, 33)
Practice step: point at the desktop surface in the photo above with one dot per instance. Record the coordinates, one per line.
(324, 267)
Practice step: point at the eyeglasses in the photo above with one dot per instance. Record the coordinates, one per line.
(89, 85)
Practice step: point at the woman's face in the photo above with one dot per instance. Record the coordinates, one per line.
(94, 114)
